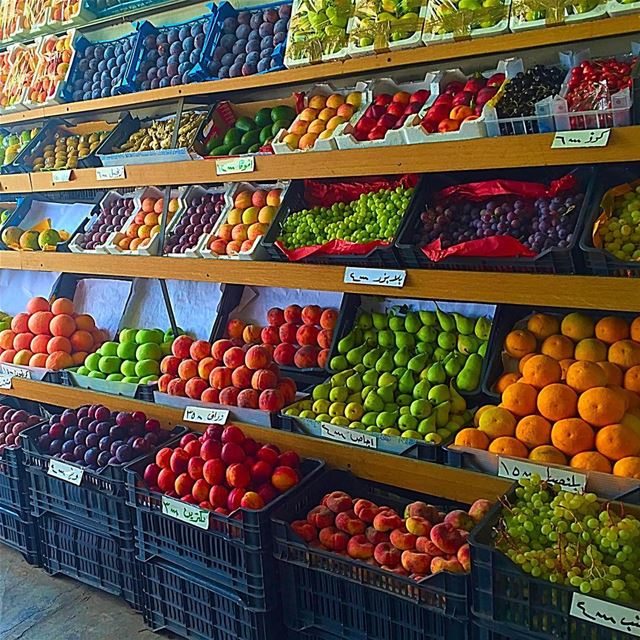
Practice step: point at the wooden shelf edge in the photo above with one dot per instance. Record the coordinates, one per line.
(453, 484)
(505, 43)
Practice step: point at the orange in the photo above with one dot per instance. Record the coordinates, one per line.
(505, 380)
(628, 396)
(506, 446)
(471, 437)
(591, 349)
(520, 399)
(610, 329)
(524, 361)
(577, 326)
(557, 401)
(585, 375)
(590, 461)
(519, 343)
(634, 330)
(548, 454)
(496, 422)
(613, 372)
(572, 436)
(564, 365)
(625, 353)
(540, 371)
(628, 467)
(632, 379)
(600, 406)
(542, 325)
(480, 411)
(558, 347)
(616, 441)
(533, 431)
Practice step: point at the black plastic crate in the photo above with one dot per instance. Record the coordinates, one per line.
(19, 531)
(13, 487)
(554, 260)
(382, 256)
(308, 634)
(235, 551)
(355, 600)
(192, 607)
(88, 555)
(480, 632)
(516, 605)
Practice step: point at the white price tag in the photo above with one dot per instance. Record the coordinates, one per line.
(62, 175)
(206, 416)
(64, 471)
(110, 173)
(518, 469)
(606, 614)
(348, 436)
(5, 381)
(241, 164)
(16, 372)
(580, 139)
(379, 277)
(185, 512)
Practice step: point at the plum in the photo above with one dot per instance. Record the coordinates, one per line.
(103, 458)
(91, 456)
(55, 446)
(124, 453)
(80, 436)
(266, 29)
(229, 25)
(242, 32)
(227, 41)
(263, 65)
(256, 20)
(244, 17)
(227, 59)
(239, 46)
(105, 443)
(68, 446)
(79, 451)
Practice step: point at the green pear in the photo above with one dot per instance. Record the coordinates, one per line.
(391, 431)
(452, 426)
(436, 373)
(469, 378)
(428, 318)
(373, 402)
(374, 429)
(370, 337)
(307, 413)
(359, 368)
(386, 339)
(340, 379)
(407, 422)
(438, 394)
(482, 328)
(358, 336)
(355, 355)
(458, 403)
(357, 425)
(464, 325)
(386, 379)
(442, 413)
(458, 420)
(418, 363)
(385, 363)
(453, 364)
(366, 391)
(398, 372)
(440, 354)
(444, 433)
(421, 390)
(379, 320)
(354, 382)
(406, 383)
(386, 419)
(365, 321)
(347, 343)
(370, 378)
(391, 406)
(291, 411)
(404, 410)
(427, 334)
(353, 411)
(387, 394)
(340, 421)
(321, 391)
(371, 357)
(404, 400)
(404, 339)
(446, 322)
(482, 349)
(396, 323)
(323, 417)
(446, 341)
(402, 357)
(425, 347)
(338, 363)
(412, 322)
(433, 438)
(427, 425)
(369, 418)
(468, 344)
(320, 406)
(410, 434)
(339, 394)
(421, 409)
(336, 409)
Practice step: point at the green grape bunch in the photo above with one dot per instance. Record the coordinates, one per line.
(573, 540)
(372, 216)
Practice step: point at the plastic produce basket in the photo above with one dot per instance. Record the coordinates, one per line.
(19, 531)
(553, 260)
(198, 609)
(351, 599)
(380, 256)
(14, 492)
(86, 554)
(234, 551)
(480, 632)
(105, 8)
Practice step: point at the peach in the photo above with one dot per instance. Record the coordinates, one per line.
(446, 537)
(255, 231)
(81, 340)
(324, 338)
(233, 358)
(285, 353)
(60, 306)
(7, 355)
(184, 484)
(288, 333)
(443, 564)
(181, 346)
(229, 396)
(252, 500)
(365, 510)
(23, 356)
(163, 382)
(235, 328)
(283, 478)
(338, 501)
(85, 322)
(306, 357)
(218, 496)
(259, 198)
(257, 357)
(261, 472)
(264, 379)
(241, 377)
(249, 399)
(287, 387)
(424, 545)
(479, 509)
(79, 357)
(345, 111)
(188, 369)
(416, 562)
(192, 448)
(213, 471)
(235, 498)
(219, 348)
(177, 387)
(251, 333)
(20, 323)
(59, 344)
(151, 475)
(386, 554)
(23, 341)
(376, 537)
(38, 360)
(39, 322)
(62, 325)
(270, 335)
(307, 335)
(464, 557)
(218, 246)
(210, 395)
(305, 530)
(418, 526)
(6, 339)
(401, 539)
(293, 314)
(243, 199)
(238, 476)
(321, 517)
(310, 315)
(460, 520)
(220, 378)
(328, 318)
(199, 350)
(58, 360)
(360, 548)
(195, 387)
(205, 367)
(333, 539)
(37, 304)
(349, 522)
(387, 520)
(423, 510)
(166, 480)
(200, 490)
(275, 317)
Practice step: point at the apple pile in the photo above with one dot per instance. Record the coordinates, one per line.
(387, 112)
(225, 373)
(461, 102)
(12, 423)
(422, 542)
(223, 470)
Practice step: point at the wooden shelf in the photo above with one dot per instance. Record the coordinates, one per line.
(587, 292)
(453, 484)
(444, 52)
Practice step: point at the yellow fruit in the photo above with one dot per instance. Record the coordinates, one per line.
(29, 241)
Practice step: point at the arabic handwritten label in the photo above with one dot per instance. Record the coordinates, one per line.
(185, 512)
(67, 472)
(517, 469)
(5, 382)
(606, 614)
(586, 138)
(206, 416)
(380, 277)
(62, 175)
(348, 436)
(110, 173)
(16, 372)
(241, 164)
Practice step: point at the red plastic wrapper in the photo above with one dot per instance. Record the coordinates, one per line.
(494, 247)
(324, 193)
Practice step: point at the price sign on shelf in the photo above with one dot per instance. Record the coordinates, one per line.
(185, 512)
(241, 164)
(581, 139)
(62, 175)
(64, 471)
(206, 416)
(606, 614)
(348, 436)
(378, 277)
(6, 381)
(15, 372)
(518, 469)
(110, 173)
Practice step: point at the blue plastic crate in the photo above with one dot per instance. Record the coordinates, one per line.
(107, 8)
(209, 68)
(19, 531)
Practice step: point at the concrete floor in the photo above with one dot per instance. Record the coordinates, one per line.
(36, 606)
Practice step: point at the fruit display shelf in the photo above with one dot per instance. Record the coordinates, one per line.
(505, 43)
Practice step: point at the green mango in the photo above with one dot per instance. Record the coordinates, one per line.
(386, 339)
(418, 363)
(371, 357)
(482, 349)
(404, 400)
(386, 379)
(412, 322)
(369, 418)
(347, 343)
(373, 402)
(396, 323)
(340, 379)
(402, 357)
(447, 340)
(453, 364)
(440, 354)
(436, 373)
(406, 383)
(338, 363)
(446, 322)
(379, 320)
(355, 355)
(364, 320)
(420, 409)
(425, 347)
(385, 363)
(438, 394)
(427, 334)
(428, 318)
(469, 378)
(370, 337)
(404, 339)
(482, 328)
(407, 422)
(354, 383)
(387, 394)
(370, 377)
(421, 390)
(468, 344)
(464, 325)
(386, 419)
(427, 425)
(321, 392)
(442, 413)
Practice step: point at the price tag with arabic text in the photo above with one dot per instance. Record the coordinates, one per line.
(518, 469)
(110, 173)
(581, 139)
(67, 472)
(606, 614)
(378, 277)
(348, 436)
(6, 381)
(185, 512)
(241, 164)
(16, 372)
(206, 416)
(62, 175)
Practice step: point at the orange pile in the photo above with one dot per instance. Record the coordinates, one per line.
(574, 400)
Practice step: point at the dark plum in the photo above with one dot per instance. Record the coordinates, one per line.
(68, 447)
(242, 32)
(105, 443)
(55, 446)
(70, 432)
(81, 436)
(256, 20)
(79, 451)
(229, 25)
(239, 47)
(92, 440)
(124, 453)
(91, 456)
(103, 458)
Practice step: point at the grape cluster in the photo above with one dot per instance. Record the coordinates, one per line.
(373, 216)
(525, 89)
(620, 234)
(573, 540)
(538, 224)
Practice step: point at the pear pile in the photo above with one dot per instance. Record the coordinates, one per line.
(401, 373)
